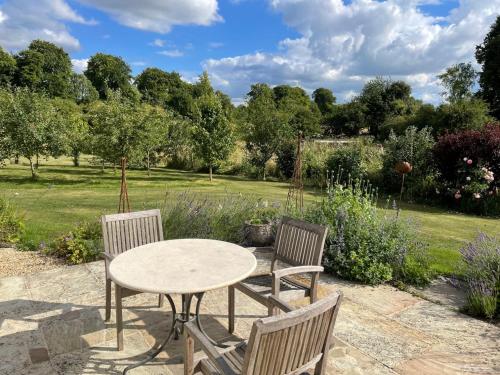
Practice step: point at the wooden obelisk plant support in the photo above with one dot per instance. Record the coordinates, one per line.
(124, 204)
(296, 190)
(402, 167)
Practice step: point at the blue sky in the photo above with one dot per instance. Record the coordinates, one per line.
(312, 43)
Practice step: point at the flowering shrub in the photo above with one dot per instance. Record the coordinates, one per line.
(190, 215)
(364, 245)
(482, 275)
(11, 224)
(81, 245)
(469, 166)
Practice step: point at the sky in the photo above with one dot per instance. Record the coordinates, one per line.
(337, 44)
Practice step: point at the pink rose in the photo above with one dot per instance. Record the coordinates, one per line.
(458, 195)
(469, 161)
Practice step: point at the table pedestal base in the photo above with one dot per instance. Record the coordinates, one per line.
(177, 328)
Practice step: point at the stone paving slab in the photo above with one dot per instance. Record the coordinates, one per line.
(53, 323)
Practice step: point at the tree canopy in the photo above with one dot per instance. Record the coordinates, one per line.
(108, 72)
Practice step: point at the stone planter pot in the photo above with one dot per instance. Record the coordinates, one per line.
(259, 234)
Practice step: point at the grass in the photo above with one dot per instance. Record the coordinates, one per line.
(64, 195)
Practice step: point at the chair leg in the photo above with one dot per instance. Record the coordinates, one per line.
(161, 300)
(188, 354)
(231, 295)
(108, 300)
(119, 320)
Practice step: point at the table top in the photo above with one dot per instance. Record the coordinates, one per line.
(182, 266)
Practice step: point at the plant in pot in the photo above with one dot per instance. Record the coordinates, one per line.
(260, 229)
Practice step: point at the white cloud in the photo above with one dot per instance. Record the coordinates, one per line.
(343, 45)
(21, 21)
(158, 43)
(159, 15)
(138, 63)
(79, 65)
(214, 45)
(172, 53)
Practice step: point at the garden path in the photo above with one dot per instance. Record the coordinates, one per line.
(51, 322)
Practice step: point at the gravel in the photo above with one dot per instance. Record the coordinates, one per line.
(15, 263)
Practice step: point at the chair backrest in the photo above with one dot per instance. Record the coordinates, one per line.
(121, 232)
(299, 243)
(293, 342)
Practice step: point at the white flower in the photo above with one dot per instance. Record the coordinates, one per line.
(465, 159)
(477, 195)
(468, 178)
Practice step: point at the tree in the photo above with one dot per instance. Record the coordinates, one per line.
(153, 123)
(113, 128)
(32, 127)
(263, 128)
(203, 87)
(81, 89)
(458, 81)
(108, 72)
(346, 119)
(155, 86)
(462, 115)
(75, 127)
(373, 98)
(488, 55)
(325, 100)
(212, 136)
(7, 68)
(44, 67)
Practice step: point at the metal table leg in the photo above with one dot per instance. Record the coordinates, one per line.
(178, 321)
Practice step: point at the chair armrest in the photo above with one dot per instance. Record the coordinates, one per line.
(108, 256)
(190, 329)
(276, 302)
(295, 270)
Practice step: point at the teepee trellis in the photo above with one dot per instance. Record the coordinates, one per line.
(296, 190)
(123, 204)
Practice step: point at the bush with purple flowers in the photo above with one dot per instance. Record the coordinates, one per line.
(482, 276)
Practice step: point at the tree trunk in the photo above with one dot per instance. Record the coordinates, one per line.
(76, 158)
(210, 172)
(32, 167)
(264, 173)
(149, 166)
(16, 159)
(37, 163)
(102, 165)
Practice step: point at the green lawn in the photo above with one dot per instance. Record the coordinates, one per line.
(64, 195)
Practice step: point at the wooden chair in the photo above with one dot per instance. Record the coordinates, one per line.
(288, 344)
(298, 244)
(121, 232)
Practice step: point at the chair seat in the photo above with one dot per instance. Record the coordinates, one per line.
(262, 285)
(234, 357)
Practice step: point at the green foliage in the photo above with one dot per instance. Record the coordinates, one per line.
(286, 158)
(462, 115)
(81, 245)
(458, 81)
(81, 89)
(415, 147)
(212, 135)
(108, 72)
(11, 223)
(7, 68)
(264, 130)
(31, 126)
(482, 276)
(346, 119)
(190, 215)
(346, 162)
(488, 55)
(324, 99)
(363, 245)
(45, 68)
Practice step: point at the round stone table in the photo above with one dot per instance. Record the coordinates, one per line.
(189, 267)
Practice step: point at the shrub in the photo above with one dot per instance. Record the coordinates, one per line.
(81, 245)
(482, 275)
(286, 159)
(315, 160)
(189, 215)
(363, 245)
(415, 147)
(11, 224)
(469, 167)
(347, 162)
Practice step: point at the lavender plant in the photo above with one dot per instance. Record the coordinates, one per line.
(482, 275)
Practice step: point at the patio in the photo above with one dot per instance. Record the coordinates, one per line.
(52, 322)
